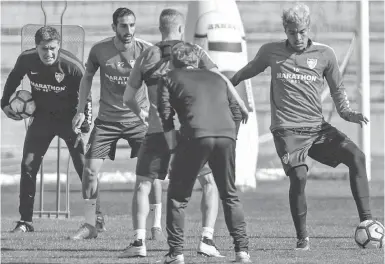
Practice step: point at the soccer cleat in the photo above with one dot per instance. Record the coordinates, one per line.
(242, 257)
(100, 224)
(171, 259)
(303, 244)
(207, 248)
(136, 249)
(86, 231)
(157, 234)
(22, 227)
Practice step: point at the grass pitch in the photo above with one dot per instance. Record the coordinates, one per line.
(332, 219)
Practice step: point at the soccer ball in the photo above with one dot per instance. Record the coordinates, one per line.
(22, 103)
(370, 234)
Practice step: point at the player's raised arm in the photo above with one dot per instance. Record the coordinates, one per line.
(165, 110)
(254, 67)
(133, 85)
(13, 81)
(234, 93)
(333, 77)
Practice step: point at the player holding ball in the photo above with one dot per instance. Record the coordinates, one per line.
(54, 76)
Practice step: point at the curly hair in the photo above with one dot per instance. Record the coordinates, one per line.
(46, 33)
(184, 54)
(298, 14)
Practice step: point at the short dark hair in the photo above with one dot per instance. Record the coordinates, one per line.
(184, 54)
(46, 33)
(121, 12)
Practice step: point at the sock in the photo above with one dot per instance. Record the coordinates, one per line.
(207, 232)
(140, 234)
(89, 211)
(27, 222)
(297, 199)
(156, 209)
(355, 160)
(360, 190)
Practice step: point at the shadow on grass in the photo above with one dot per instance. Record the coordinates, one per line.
(77, 249)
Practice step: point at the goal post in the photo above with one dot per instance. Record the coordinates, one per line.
(363, 79)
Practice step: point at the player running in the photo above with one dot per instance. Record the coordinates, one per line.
(115, 56)
(155, 152)
(54, 76)
(298, 69)
(207, 134)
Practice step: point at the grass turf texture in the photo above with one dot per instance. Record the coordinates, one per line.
(332, 219)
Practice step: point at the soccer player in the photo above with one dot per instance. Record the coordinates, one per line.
(155, 152)
(207, 134)
(115, 56)
(54, 75)
(298, 69)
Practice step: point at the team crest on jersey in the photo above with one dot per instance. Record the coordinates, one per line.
(132, 63)
(285, 158)
(311, 63)
(121, 64)
(59, 76)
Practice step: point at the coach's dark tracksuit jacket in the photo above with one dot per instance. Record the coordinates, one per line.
(205, 108)
(55, 90)
(206, 112)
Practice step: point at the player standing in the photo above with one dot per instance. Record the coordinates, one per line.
(298, 69)
(155, 152)
(54, 76)
(207, 134)
(115, 56)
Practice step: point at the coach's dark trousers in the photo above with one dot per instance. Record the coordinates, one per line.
(189, 158)
(37, 140)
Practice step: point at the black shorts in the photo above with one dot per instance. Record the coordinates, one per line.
(154, 158)
(42, 130)
(105, 135)
(322, 143)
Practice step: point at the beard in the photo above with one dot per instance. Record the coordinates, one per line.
(125, 39)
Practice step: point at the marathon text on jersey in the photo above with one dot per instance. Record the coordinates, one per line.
(47, 87)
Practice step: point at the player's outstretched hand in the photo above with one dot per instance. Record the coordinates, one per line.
(358, 118)
(10, 113)
(245, 115)
(77, 122)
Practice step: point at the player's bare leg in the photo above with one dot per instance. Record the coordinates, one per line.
(209, 210)
(156, 211)
(90, 192)
(79, 164)
(140, 210)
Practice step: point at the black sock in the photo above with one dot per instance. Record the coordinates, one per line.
(354, 158)
(360, 190)
(297, 198)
